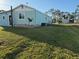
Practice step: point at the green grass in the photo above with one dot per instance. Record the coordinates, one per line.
(54, 42)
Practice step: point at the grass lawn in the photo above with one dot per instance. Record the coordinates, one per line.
(54, 42)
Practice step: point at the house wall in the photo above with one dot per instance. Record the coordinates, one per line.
(65, 21)
(28, 13)
(49, 20)
(31, 14)
(5, 21)
(39, 18)
(42, 18)
(36, 16)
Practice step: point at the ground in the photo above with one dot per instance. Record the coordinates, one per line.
(53, 42)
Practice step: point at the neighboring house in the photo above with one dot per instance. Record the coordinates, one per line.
(77, 18)
(77, 14)
(61, 17)
(24, 16)
(65, 17)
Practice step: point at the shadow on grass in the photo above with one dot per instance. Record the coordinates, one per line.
(47, 35)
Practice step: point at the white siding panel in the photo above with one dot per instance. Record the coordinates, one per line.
(5, 21)
(28, 13)
(36, 16)
(42, 18)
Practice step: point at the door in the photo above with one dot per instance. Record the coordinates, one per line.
(10, 20)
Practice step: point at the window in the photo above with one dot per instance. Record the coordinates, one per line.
(3, 17)
(21, 16)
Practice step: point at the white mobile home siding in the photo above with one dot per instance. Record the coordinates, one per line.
(28, 13)
(42, 18)
(37, 17)
(4, 21)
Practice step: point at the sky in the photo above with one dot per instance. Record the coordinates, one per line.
(42, 5)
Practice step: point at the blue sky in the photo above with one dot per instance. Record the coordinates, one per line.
(42, 5)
